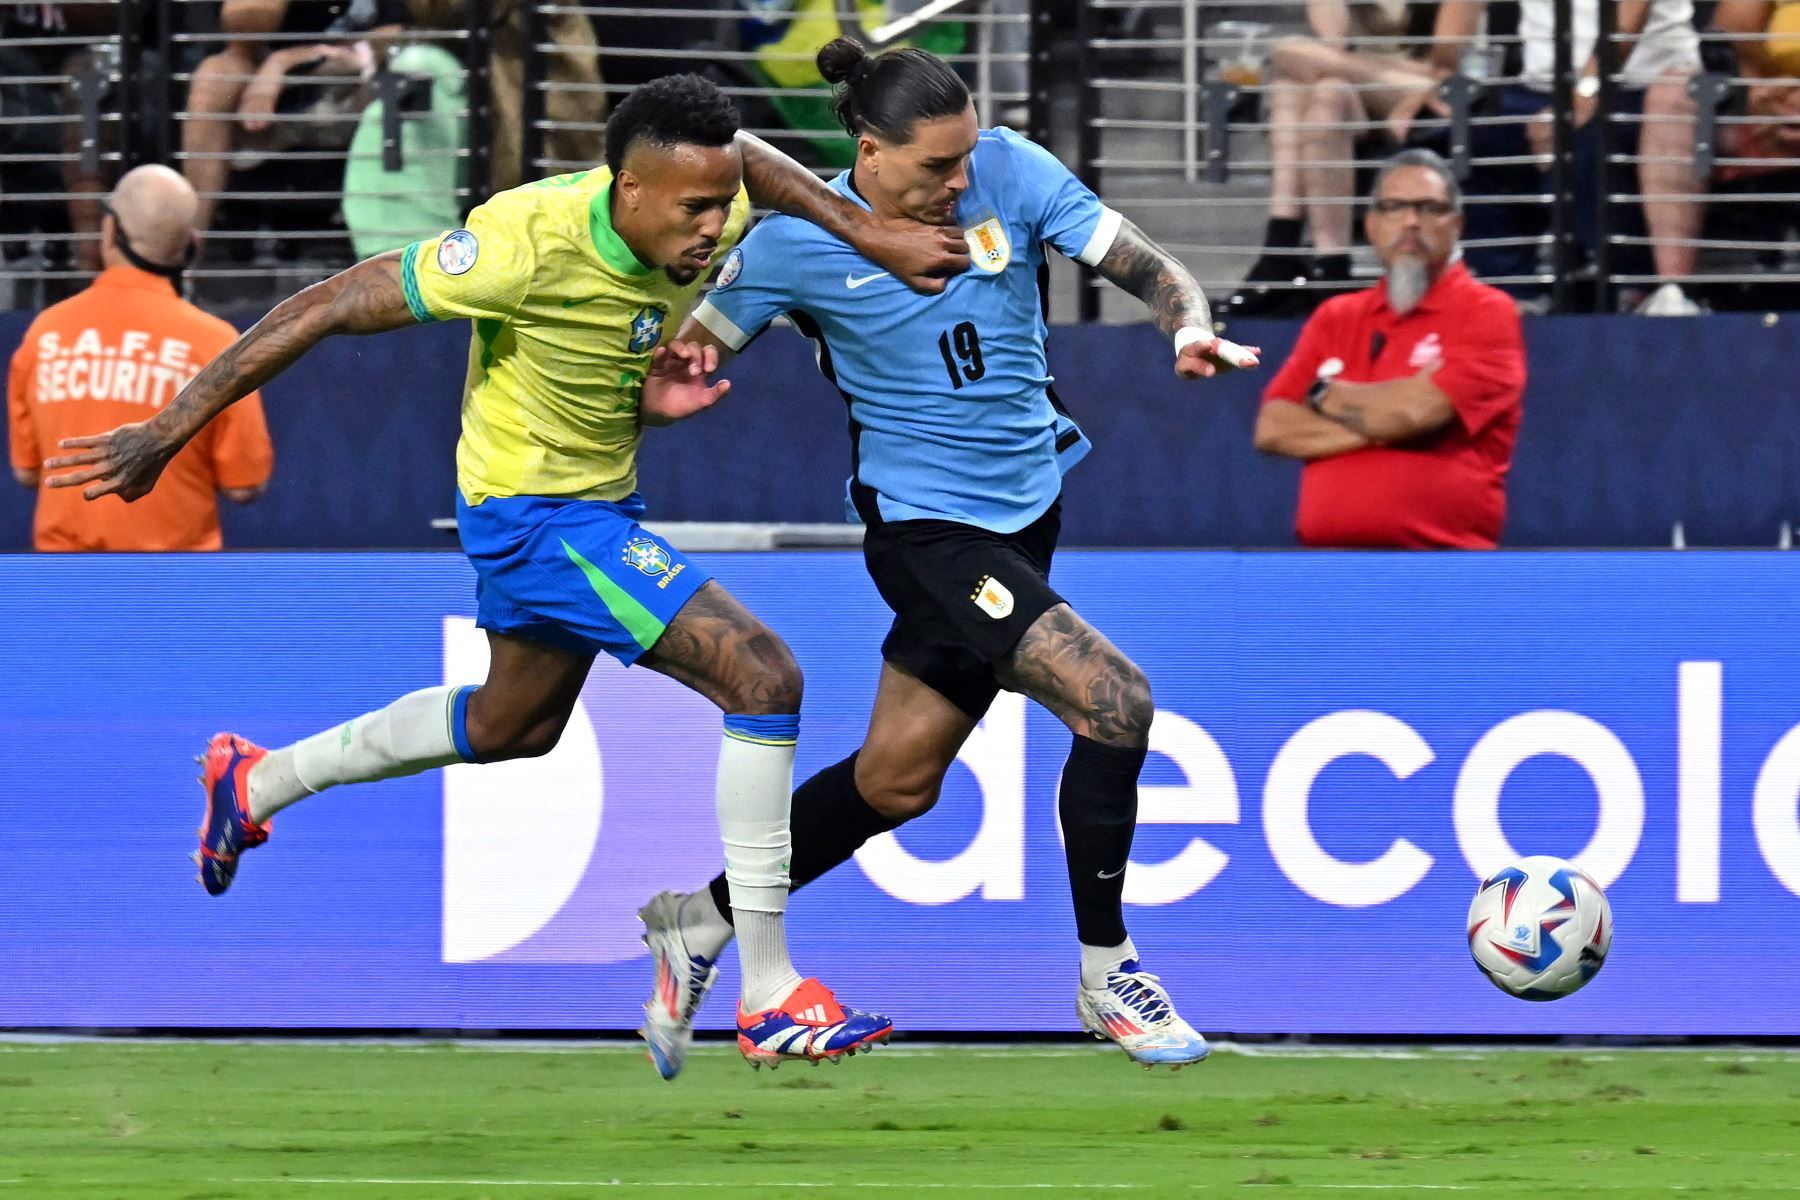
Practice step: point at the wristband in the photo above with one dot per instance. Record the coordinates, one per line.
(1315, 395)
(1228, 352)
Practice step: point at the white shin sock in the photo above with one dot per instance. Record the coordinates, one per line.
(755, 785)
(1097, 962)
(415, 733)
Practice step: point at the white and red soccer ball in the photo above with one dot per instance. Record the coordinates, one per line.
(1540, 928)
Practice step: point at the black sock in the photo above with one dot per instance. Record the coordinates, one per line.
(1331, 267)
(829, 821)
(1098, 807)
(1283, 233)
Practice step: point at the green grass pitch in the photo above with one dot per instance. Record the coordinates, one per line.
(437, 1121)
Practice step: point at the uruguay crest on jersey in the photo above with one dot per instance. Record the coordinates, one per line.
(988, 248)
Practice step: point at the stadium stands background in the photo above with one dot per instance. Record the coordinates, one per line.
(1632, 427)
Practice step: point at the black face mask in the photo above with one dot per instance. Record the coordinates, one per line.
(137, 260)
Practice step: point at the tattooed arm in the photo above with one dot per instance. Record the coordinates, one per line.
(921, 256)
(367, 298)
(1397, 410)
(1138, 265)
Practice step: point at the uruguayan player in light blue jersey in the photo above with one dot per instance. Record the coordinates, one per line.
(957, 456)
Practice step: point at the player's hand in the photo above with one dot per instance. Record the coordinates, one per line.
(1214, 356)
(677, 385)
(923, 257)
(125, 462)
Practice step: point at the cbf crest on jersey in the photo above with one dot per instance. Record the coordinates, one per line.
(456, 253)
(646, 330)
(646, 556)
(988, 248)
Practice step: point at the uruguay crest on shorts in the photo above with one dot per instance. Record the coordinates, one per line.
(988, 248)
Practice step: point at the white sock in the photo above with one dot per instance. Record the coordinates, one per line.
(756, 783)
(1097, 962)
(703, 927)
(415, 733)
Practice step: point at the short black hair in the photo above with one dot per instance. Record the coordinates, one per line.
(890, 92)
(676, 110)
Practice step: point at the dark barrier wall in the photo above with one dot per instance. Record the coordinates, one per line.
(1630, 426)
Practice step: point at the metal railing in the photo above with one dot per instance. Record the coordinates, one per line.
(746, 48)
(371, 135)
(1711, 161)
(1199, 119)
(313, 148)
(64, 96)
(1189, 124)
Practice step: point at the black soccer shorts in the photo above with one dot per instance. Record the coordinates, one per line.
(962, 598)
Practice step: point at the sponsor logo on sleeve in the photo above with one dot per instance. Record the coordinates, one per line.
(734, 266)
(456, 253)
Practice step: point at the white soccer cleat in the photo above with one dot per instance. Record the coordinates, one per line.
(682, 981)
(1134, 1011)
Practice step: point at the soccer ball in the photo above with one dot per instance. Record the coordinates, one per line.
(1540, 928)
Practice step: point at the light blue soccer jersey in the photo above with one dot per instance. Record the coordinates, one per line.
(950, 413)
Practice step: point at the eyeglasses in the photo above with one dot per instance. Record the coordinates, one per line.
(1425, 208)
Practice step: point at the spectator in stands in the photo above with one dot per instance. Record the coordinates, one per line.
(1403, 399)
(1009, 39)
(786, 36)
(118, 352)
(1660, 53)
(1320, 90)
(388, 210)
(574, 104)
(236, 91)
(31, 108)
(1764, 40)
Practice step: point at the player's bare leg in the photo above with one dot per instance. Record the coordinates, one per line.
(717, 648)
(519, 712)
(914, 734)
(1071, 668)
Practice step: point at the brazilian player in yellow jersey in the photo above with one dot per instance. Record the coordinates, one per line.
(565, 318)
(571, 284)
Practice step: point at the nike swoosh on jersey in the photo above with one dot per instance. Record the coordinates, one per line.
(852, 282)
(583, 300)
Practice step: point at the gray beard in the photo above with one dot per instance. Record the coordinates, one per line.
(1408, 279)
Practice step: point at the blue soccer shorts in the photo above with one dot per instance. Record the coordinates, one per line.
(582, 575)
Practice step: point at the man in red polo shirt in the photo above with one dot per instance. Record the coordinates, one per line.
(1403, 400)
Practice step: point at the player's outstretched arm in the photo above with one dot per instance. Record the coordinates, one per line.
(922, 256)
(1137, 265)
(367, 298)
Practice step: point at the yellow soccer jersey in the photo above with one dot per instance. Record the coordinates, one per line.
(565, 320)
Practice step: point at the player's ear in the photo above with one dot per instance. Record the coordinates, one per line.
(627, 184)
(868, 152)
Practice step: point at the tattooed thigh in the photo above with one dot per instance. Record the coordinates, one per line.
(1070, 668)
(718, 648)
